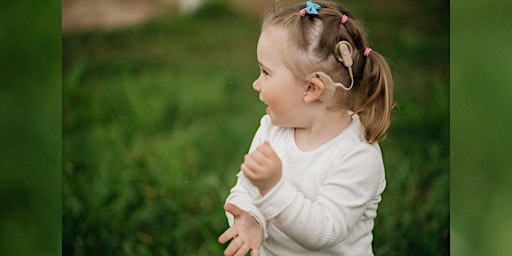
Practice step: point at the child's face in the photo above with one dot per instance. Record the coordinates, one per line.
(277, 86)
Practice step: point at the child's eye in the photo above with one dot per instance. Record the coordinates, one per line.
(264, 72)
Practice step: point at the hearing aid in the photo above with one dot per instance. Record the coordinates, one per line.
(329, 86)
(344, 53)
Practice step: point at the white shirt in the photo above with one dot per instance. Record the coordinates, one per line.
(326, 201)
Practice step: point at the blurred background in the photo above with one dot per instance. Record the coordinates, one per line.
(30, 128)
(481, 128)
(106, 151)
(158, 111)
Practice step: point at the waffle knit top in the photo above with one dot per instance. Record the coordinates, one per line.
(327, 199)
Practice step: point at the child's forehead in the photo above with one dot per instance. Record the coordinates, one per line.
(276, 50)
(275, 31)
(271, 46)
(273, 38)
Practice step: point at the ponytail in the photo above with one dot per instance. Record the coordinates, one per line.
(376, 98)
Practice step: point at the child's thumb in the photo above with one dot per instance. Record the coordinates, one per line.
(233, 209)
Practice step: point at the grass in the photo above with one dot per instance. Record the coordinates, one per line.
(157, 118)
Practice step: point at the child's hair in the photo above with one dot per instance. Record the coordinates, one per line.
(315, 39)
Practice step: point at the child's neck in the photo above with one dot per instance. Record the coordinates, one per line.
(321, 130)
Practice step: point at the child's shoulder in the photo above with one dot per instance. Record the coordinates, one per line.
(265, 120)
(353, 139)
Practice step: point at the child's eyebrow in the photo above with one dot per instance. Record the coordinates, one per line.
(262, 65)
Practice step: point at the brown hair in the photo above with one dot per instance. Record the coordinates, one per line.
(314, 39)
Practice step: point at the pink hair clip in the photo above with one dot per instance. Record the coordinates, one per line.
(344, 19)
(311, 9)
(367, 51)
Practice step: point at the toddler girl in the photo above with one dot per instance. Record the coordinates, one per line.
(314, 175)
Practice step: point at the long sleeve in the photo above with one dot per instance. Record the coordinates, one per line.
(327, 198)
(243, 193)
(341, 201)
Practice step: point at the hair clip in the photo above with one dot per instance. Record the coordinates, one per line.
(344, 19)
(311, 9)
(367, 51)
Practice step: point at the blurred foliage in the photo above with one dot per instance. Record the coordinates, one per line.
(157, 118)
(30, 128)
(481, 128)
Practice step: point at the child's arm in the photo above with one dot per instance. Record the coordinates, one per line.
(247, 225)
(341, 201)
(243, 193)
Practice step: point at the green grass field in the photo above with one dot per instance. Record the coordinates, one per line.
(157, 118)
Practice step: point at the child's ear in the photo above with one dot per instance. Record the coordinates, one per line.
(318, 89)
(314, 90)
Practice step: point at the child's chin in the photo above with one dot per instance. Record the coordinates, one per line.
(275, 121)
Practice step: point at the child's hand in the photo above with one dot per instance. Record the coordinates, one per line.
(263, 168)
(245, 234)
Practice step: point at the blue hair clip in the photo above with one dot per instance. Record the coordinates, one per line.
(311, 9)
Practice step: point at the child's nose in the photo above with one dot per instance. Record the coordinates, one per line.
(256, 85)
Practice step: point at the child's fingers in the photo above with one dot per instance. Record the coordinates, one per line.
(257, 158)
(248, 172)
(246, 168)
(242, 250)
(255, 252)
(227, 235)
(234, 246)
(266, 150)
(251, 160)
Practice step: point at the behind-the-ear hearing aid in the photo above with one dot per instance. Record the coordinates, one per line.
(329, 86)
(343, 53)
